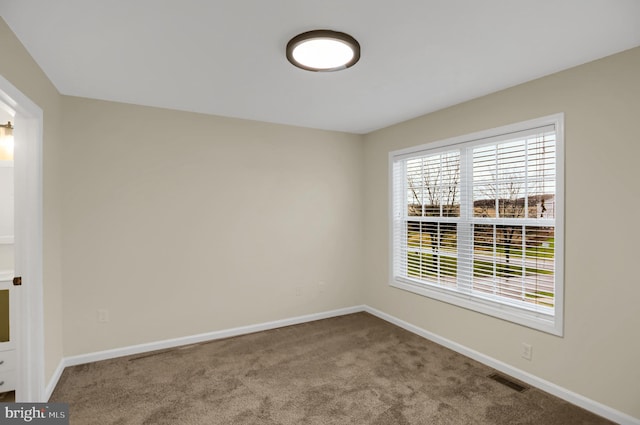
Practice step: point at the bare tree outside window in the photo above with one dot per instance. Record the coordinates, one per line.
(473, 221)
(511, 259)
(434, 191)
(507, 186)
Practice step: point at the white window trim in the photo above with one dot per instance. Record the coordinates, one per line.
(550, 324)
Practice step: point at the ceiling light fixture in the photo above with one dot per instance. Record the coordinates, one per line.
(323, 51)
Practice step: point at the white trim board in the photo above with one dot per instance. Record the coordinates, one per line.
(563, 393)
(187, 340)
(204, 337)
(28, 127)
(54, 379)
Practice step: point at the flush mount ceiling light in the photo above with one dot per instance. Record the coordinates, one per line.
(323, 51)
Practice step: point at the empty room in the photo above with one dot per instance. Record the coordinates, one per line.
(338, 212)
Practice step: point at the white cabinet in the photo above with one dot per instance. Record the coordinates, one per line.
(7, 370)
(7, 335)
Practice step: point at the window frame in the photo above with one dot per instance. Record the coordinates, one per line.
(549, 323)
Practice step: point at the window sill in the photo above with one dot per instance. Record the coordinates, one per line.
(535, 320)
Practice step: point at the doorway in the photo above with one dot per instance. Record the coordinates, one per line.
(7, 262)
(26, 306)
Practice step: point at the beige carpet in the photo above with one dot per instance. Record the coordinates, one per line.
(354, 369)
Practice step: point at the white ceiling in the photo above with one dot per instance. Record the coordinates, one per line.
(227, 57)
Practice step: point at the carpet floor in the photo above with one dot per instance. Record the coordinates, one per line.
(354, 369)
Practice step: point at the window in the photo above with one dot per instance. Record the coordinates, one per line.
(476, 221)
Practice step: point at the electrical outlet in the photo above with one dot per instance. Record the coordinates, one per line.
(321, 286)
(527, 351)
(103, 315)
(298, 290)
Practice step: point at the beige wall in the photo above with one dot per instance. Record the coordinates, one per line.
(20, 69)
(598, 355)
(7, 257)
(179, 223)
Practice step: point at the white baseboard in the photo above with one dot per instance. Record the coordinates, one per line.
(563, 393)
(550, 387)
(54, 380)
(193, 339)
(187, 340)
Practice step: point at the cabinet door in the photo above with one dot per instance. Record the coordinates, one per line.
(7, 381)
(7, 315)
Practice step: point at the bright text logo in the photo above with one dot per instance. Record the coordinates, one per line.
(35, 413)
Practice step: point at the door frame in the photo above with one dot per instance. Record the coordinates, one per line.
(28, 241)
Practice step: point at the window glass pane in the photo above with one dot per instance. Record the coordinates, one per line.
(515, 179)
(484, 204)
(540, 265)
(414, 187)
(510, 160)
(542, 171)
(448, 254)
(432, 178)
(433, 252)
(431, 249)
(450, 184)
(413, 264)
(511, 202)
(498, 265)
(484, 181)
(508, 248)
(433, 185)
(413, 234)
(506, 267)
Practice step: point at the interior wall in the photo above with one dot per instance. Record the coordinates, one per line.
(598, 355)
(178, 223)
(7, 256)
(19, 68)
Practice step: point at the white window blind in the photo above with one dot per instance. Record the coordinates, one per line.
(476, 221)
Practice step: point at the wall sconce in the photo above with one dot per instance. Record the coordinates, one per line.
(6, 142)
